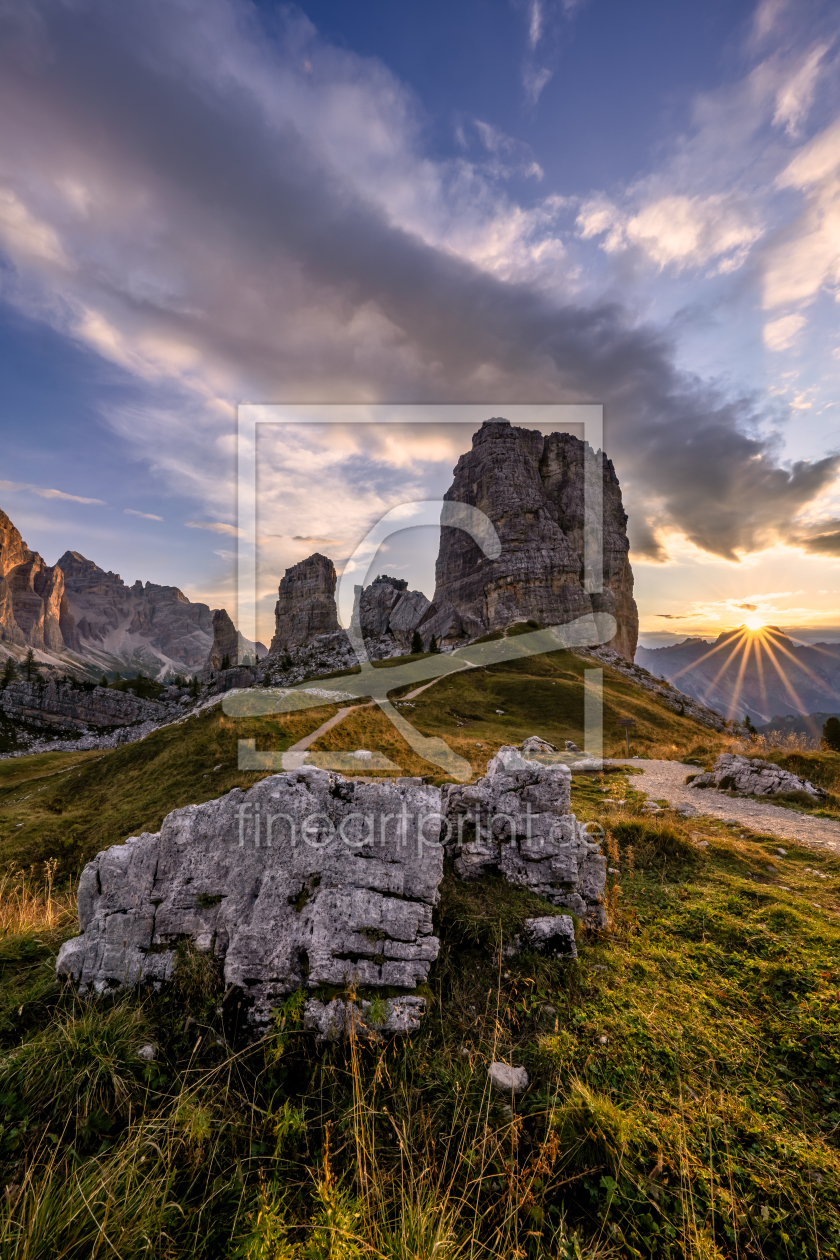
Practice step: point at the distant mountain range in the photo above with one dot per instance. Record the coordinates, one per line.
(83, 620)
(811, 724)
(762, 674)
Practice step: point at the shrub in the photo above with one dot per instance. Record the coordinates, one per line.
(831, 734)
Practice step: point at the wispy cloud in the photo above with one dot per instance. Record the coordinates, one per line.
(216, 527)
(148, 516)
(45, 493)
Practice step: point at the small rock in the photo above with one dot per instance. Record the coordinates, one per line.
(613, 870)
(500, 711)
(218, 767)
(598, 967)
(147, 1053)
(465, 1054)
(507, 1079)
(548, 1009)
(506, 1110)
(782, 852)
(602, 1041)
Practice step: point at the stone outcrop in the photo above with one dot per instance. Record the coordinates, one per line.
(387, 608)
(532, 489)
(754, 777)
(67, 707)
(306, 607)
(341, 1018)
(306, 879)
(225, 642)
(518, 820)
(552, 935)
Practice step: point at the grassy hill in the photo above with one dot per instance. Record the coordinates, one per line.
(684, 1096)
(68, 806)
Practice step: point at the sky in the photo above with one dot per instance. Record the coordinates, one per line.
(205, 203)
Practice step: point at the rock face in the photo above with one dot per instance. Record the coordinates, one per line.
(532, 488)
(335, 1020)
(147, 626)
(388, 608)
(306, 879)
(306, 604)
(754, 777)
(517, 820)
(67, 707)
(33, 608)
(225, 641)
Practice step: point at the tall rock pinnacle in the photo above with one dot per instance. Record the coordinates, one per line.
(532, 488)
(306, 606)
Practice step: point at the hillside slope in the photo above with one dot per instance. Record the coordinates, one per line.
(100, 799)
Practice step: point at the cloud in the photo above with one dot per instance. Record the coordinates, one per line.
(217, 527)
(676, 230)
(672, 616)
(747, 607)
(781, 333)
(795, 97)
(826, 543)
(236, 226)
(149, 516)
(51, 494)
(308, 538)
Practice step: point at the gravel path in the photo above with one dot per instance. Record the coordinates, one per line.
(665, 781)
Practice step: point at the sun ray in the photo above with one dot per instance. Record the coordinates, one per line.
(717, 648)
(736, 693)
(737, 646)
(785, 681)
(762, 685)
(814, 677)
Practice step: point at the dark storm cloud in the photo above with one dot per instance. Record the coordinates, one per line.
(221, 247)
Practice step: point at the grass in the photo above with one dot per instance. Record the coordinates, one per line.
(684, 1096)
(68, 806)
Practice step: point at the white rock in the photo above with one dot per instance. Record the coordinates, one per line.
(507, 1079)
(148, 1053)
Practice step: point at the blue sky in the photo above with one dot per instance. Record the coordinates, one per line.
(205, 202)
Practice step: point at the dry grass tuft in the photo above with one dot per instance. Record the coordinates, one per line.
(31, 904)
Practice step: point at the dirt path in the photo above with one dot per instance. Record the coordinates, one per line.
(665, 781)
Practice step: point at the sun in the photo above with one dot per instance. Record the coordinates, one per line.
(754, 621)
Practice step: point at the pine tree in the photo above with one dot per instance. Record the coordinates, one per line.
(433, 647)
(831, 734)
(30, 665)
(103, 681)
(225, 661)
(416, 643)
(9, 673)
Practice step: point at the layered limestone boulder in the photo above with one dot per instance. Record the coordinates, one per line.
(532, 489)
(66, 707)
(754, 777)
(306, 879)
(305, 608)
(310, 879)
(518, 820)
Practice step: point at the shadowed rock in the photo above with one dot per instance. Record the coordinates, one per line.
(754, 778)
(225, 641)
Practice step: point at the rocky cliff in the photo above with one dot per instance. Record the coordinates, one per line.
(225, 642)
(65, 706)
(532, 488)
(33, 609)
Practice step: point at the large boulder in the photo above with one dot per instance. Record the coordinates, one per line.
(518, 820)
(306, 879)
(754, 777)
